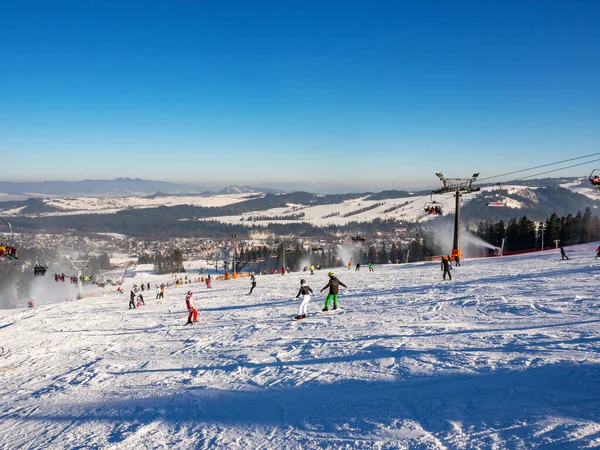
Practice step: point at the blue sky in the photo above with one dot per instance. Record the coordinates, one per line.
(365, 93)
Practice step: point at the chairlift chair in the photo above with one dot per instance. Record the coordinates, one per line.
(500, 201)
(433, 208)
(595, 179)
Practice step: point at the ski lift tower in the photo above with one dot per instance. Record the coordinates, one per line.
(79, 265)
(458, 186)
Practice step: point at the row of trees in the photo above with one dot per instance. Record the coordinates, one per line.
(167, 263)
(523, 234)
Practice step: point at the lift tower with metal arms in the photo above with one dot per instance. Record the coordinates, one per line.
(458, 186)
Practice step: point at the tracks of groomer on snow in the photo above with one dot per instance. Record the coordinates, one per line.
(505, 355)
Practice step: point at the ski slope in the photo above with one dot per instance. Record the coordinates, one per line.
(506, 355)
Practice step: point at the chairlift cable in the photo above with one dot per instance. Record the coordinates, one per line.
(543, 165)
(555, 170)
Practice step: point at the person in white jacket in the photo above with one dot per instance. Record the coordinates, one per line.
(305, 291)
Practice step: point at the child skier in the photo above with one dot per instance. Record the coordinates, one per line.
(192, 313)
(334, 286)
(305, 291)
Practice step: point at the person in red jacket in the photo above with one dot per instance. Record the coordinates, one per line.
(192, 313)
(597, 252)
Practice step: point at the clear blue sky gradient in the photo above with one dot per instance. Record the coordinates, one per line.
(367, 93)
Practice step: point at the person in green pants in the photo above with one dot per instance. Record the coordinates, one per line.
(334, 286)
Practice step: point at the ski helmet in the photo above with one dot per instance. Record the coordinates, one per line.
(330, 274)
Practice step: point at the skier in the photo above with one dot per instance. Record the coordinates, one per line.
(312, 269)
(132, 300)
(597, 252)
(208, 281)
(370, 266)
(148, 285)
(357, 267)
(445, 266)
(192, 313)
(305, 291)
(563, 254)
(141, 300)
(252, 283)
(334, 286)
(350, 265)
(157, 292)
(457, 260)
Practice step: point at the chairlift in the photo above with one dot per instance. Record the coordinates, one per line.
(501, 200)
(433, 208)
(8, 250)
(595, 179)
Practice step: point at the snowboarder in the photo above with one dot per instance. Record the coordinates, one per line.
(305, 291)
(370, 266)
(445, 266)
(192, 313)
(334, 286)
(132, 300)
(563, 255)
(252, 283)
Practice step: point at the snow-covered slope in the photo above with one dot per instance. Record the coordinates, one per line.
(506, 355)
(410, 208)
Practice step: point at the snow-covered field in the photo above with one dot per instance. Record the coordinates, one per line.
(506, 355)
(111, 205)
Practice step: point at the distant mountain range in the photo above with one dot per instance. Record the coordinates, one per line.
(119, 187)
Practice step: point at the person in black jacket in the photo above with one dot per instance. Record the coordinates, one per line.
(446, 267)
(334, 286)
(132, 300)
(252, 283)
(305, 292)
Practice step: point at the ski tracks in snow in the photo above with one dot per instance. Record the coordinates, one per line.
(506, 355)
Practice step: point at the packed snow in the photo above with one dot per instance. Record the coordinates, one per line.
(505, 355)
